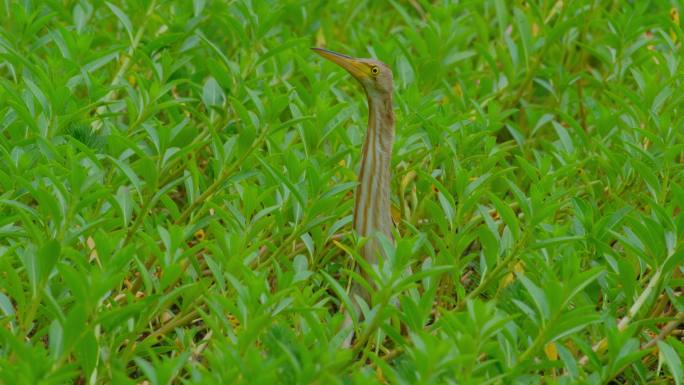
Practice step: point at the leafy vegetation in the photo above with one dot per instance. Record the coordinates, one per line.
(176, 185)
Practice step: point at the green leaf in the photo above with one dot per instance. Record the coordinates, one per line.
(537, 295)
(342, 295)
(672, 360)
(212, 94)
(564, 137)
(123, 18)
(301, 268)
(48, 255)
(507, 214)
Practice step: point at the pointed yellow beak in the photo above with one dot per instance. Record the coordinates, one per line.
(358, 69)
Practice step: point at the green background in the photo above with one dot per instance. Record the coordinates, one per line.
(176, 183)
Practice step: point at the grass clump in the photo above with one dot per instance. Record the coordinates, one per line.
(176, 187)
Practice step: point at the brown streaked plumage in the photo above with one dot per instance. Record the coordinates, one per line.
(372, 201)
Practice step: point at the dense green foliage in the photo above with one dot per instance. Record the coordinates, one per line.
(176, 184)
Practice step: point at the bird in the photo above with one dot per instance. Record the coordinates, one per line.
(372, 216)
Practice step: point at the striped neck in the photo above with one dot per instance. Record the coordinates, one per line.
(372, 204)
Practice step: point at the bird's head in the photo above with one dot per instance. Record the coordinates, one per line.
(375, 76)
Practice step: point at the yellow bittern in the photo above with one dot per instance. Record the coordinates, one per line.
(372, 201)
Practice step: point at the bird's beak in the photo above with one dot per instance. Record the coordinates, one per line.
(355, 67)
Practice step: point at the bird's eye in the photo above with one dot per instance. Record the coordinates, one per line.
(375, 70)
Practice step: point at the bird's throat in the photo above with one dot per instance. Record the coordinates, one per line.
(372, 202)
